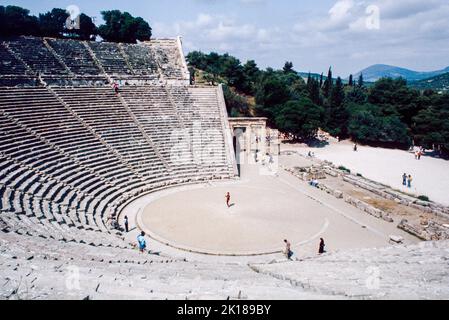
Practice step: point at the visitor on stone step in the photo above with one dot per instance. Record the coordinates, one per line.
(115, 86)
(321, 247)
(288, 252)
(404, 179)
(141, 241)
(409, 181)
(126, 223)
(228, 198)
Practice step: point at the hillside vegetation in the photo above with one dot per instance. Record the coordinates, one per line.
(438, 83)
(387, 113)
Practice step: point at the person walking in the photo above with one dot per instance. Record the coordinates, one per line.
(288, 252)
(321, 246)
(355, 146)
(228, 198)
(126, 224)
(404, 179)
(141, 241)
(409, 181)
(116, 89)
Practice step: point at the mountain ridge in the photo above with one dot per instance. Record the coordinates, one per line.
(377, 71)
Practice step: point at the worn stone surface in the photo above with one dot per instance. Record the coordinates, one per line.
(396, 272)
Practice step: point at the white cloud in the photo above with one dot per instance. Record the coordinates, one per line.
(208, 32)
(341, 9)
(411, 32)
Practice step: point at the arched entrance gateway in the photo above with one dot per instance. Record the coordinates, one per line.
(252, 140)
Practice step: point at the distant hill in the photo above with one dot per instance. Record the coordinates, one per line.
(437, 83)
(378, 71)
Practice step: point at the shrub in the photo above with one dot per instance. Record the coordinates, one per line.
(424, 198)
(342, 168)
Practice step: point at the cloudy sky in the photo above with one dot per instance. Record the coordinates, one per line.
(314, 34)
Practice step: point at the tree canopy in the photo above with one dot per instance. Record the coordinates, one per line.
(17, 21)
(388, 113)
(118, 27)
(123, 27)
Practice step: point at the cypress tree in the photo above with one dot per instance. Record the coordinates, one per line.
(328, 84)
(360, 83)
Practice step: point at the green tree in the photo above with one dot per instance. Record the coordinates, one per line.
(356, 95)
(313, 89)
(197, 59)
(337, 116)
(395, 98)
(288, 67)
(53, 23)
(327, 87)
(86, 29)
(271, 92)
(251, 74)
(302, 118)
(236, 104)
(15, 21)
(350, 83)
(123, 27)
(431, 125)
(360, 83)
(368, 124)
(251, 70)
(232, 70)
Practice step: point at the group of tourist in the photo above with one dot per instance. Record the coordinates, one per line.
(311, 154)
(419, 153)
(313, 182)
(289, 253)
(407, 180)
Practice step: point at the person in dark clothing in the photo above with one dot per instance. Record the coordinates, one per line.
(288, 252)
(228, 198)
(321, 248)
(404, 179)
(115, 85)
(126, 224)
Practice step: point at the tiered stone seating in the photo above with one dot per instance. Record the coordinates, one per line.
(141, 60)
(77, 58)
(36, 130)
(206, 115)
(84, 150)
(37, 56)
(158, 116)
(168, 57)
(75, 55)
(103, 112)
(110, 57)
(13, 72)
(9, 65)
(73, 153)
(65, 62)
(38, 268)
